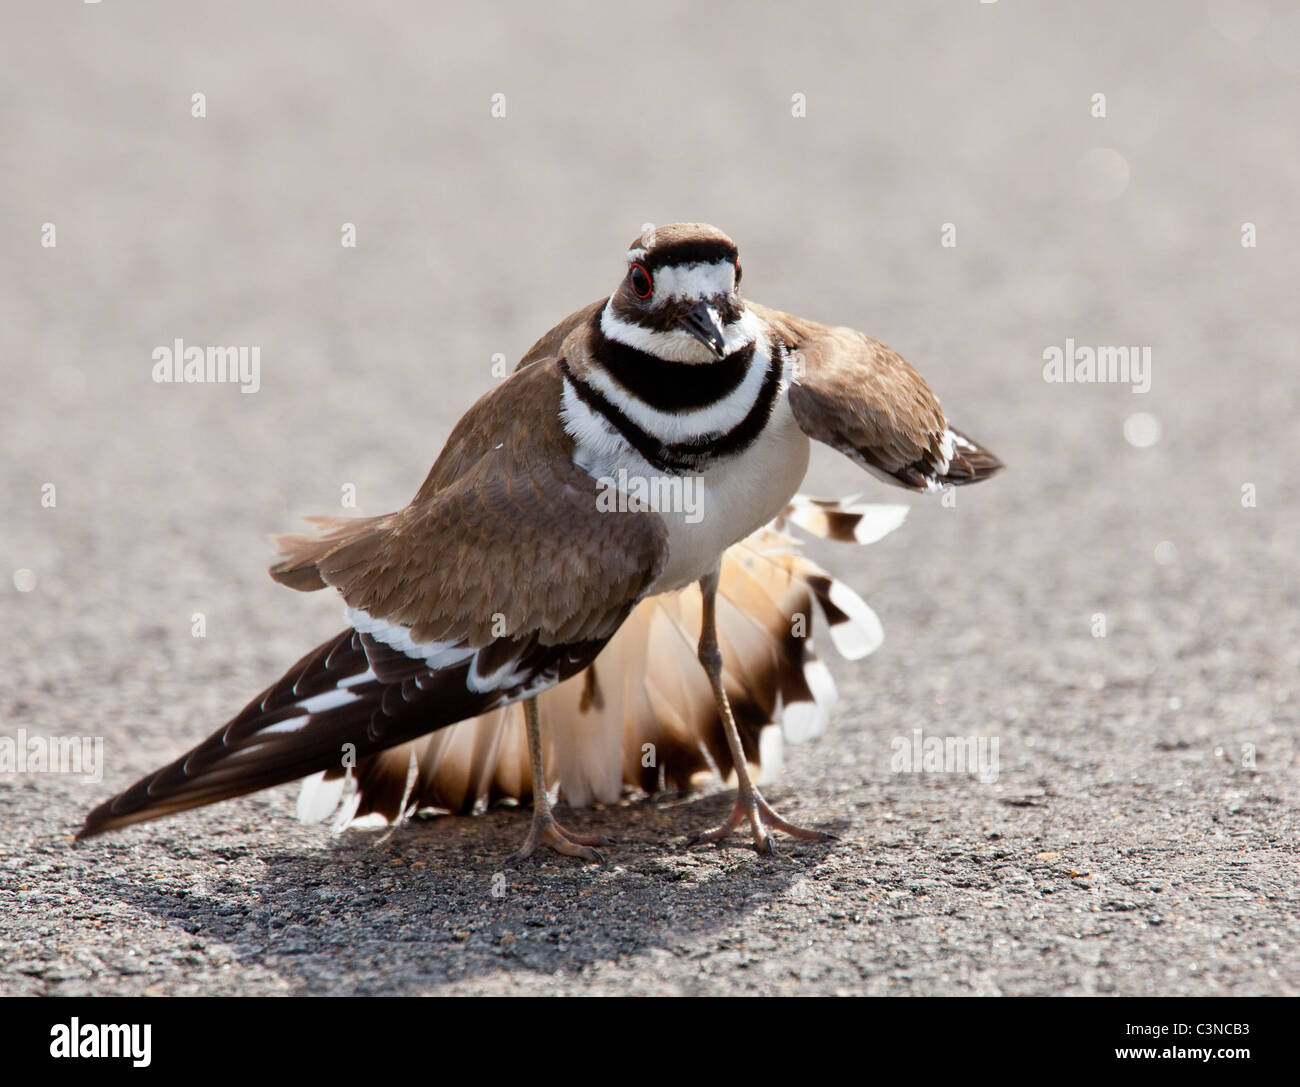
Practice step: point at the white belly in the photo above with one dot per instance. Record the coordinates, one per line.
(736, 497)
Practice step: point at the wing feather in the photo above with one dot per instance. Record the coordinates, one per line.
(858, 396)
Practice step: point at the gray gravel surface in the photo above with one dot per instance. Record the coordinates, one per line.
(1140, 837)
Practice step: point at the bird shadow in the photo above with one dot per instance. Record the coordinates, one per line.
(440, 901)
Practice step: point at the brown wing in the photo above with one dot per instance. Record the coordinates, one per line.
(504, 538)
(862, 398)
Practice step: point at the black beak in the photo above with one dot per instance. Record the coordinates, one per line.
(701, 324)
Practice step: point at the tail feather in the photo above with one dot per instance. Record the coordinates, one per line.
(847, 520)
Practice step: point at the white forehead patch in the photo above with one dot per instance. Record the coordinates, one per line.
(691, 281)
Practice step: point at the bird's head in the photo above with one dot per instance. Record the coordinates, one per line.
(679, 299)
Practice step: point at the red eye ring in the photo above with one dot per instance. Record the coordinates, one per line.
(642, 285)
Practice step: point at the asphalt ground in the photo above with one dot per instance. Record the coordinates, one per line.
(1118, 610)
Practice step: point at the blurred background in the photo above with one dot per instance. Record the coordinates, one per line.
(837, 144)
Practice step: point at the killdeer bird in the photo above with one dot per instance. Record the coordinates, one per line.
(531, 541)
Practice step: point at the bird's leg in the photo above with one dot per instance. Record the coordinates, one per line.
(749, 801)
(545, 829)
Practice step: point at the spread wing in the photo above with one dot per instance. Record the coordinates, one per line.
(862, 398)
(501, 579)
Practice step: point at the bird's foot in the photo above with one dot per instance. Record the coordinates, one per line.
(546, 831)
(762, 821)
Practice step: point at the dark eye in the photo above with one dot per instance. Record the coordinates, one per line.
(738, 273)
(640, 278)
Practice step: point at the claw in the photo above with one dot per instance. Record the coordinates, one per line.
(751, 806)
(546, 831)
